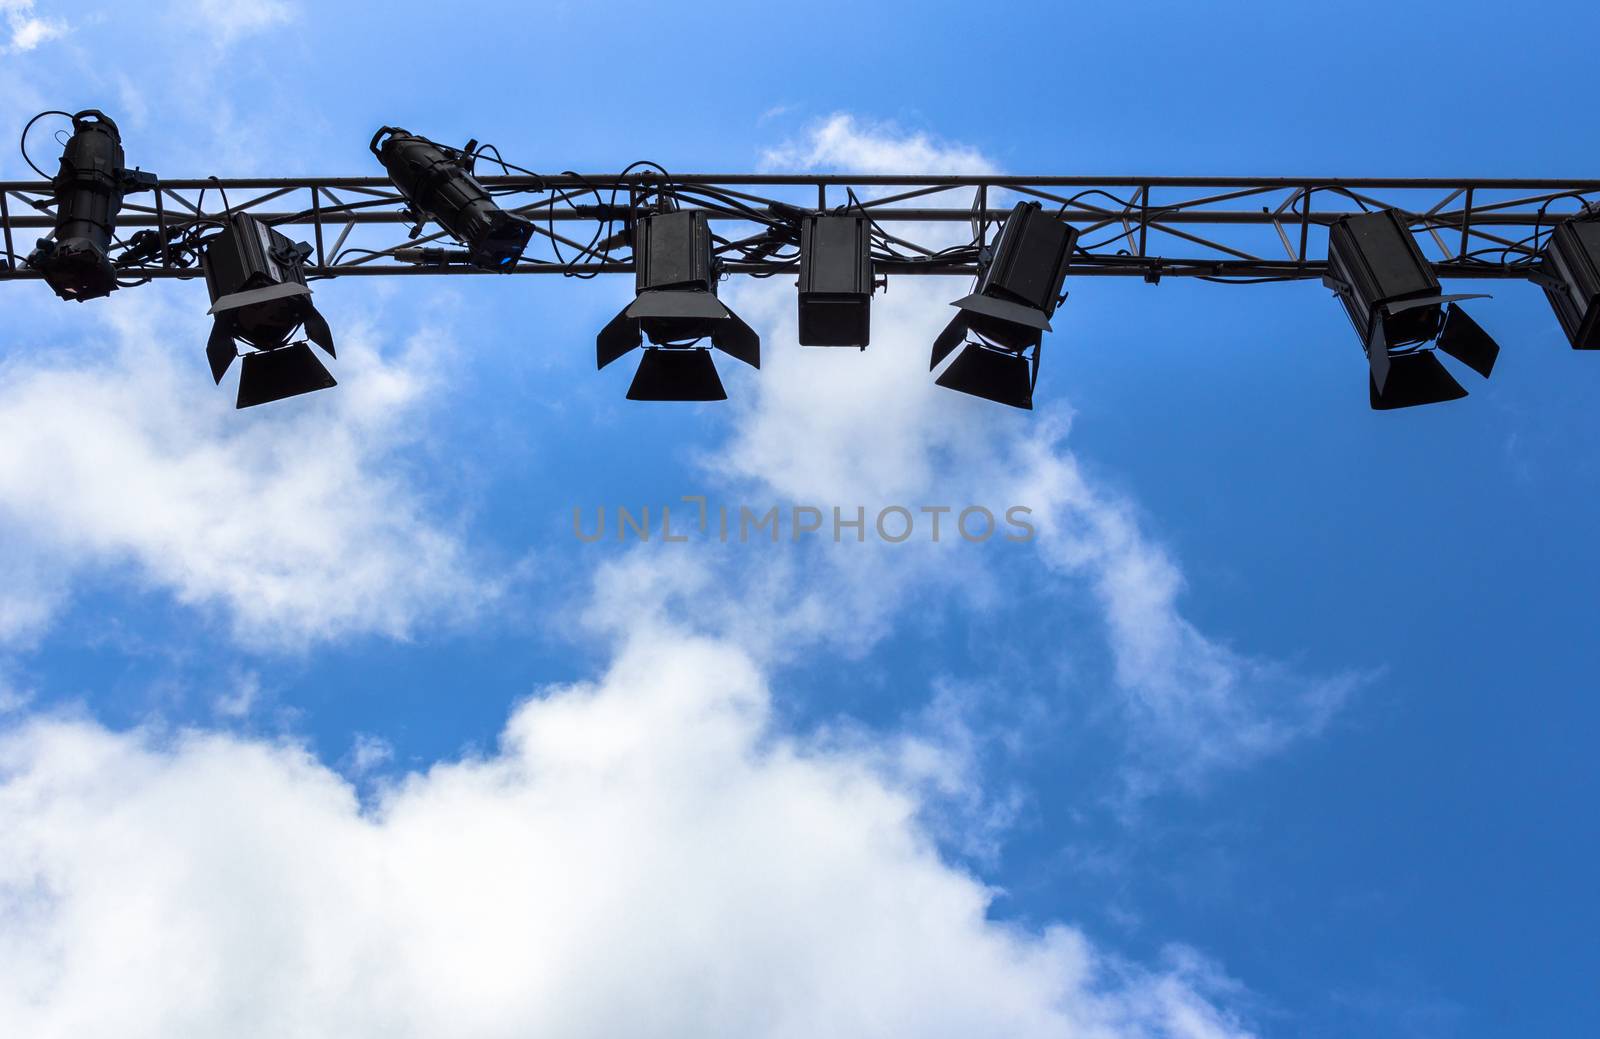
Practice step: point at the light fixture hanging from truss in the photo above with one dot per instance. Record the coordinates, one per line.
(1002, 324)
(676, 308)
(1397, 308)
(259, 297)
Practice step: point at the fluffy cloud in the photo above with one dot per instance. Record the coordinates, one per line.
(224, 21)
(842, 141)
(28, 28)
(294, 522)
(642, 854)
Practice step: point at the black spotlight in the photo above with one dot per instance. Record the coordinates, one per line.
(259, 297)
(88, 191)
(676, 307)
(835, 281)
(1019, 288)
(1393, 299)
(437, 185)
(1570, 275)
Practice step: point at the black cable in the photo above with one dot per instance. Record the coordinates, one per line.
(507, 168)
(644, 162)
(1114, 238)
(333, 261)
(1124, 203)
(1222, 279)
(588, 250)
(227, 210)
(1351, 195)
(735, 206)
(886, 242)
(1538, 227)
(23, 143)
(605, 232)
(345, 207)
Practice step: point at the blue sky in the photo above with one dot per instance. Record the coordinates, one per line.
(1283, 727)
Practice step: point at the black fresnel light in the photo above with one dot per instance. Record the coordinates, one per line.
(88, 190)
(1569, 273)
(1394, 301)
(676, 307)
(259, 297)
(438, 186)
(1004, 321)
(835, 280)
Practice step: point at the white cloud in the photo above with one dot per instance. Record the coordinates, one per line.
(844, 142)
(236, 702)
(225, 21)
(28, 28)
(31, 592)
(12, 699)
(295, 520)
(643, 855)
(1196, 704)
(368, 752)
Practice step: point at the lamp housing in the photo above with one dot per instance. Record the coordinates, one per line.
(1376, 259)
(836, 281)
(88, 189)
(1569, 272)
(1020, 286)
(437, 185)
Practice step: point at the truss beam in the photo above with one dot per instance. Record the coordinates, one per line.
(1150, 227)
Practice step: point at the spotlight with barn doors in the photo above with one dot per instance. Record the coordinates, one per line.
(1004, 321)
(259, 298)
(1394, 301)
(88, 191)
(438, 186)
(676, 307)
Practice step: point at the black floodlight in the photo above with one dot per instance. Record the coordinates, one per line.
(835, 281)
(675, 306)
(1570, 275)
(88, 192)
(1004, 321)
(438, 186)
(259, 297)
(1394, 301)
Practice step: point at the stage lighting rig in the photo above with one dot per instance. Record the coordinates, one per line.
(88, 193)
(681, 236)
(256, 279)
(1004, 321)
(438, 186)
(1569, 273)
(676, 307)
(1394, 301)
(835, 280)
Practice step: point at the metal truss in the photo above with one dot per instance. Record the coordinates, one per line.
(1151, 227)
